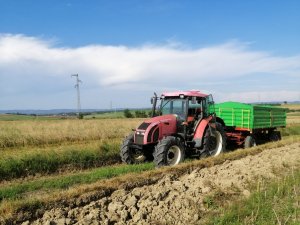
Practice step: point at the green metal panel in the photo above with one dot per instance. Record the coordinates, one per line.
(250, 116)
(269, 116)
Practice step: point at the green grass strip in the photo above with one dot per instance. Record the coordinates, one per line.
(290, 130)
(13, 117)
(17, 191)
(275, 203)
(50, 161)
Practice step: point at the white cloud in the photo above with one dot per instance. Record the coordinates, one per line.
(148, 67)
(260, 96)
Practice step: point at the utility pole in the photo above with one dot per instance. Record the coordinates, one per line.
(78, 93)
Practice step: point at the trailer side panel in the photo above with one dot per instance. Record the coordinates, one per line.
(250, 116)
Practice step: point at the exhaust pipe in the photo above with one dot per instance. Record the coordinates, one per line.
(154, 101)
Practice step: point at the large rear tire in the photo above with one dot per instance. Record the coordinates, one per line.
(129, 154)
(169, 152)
(214, 145)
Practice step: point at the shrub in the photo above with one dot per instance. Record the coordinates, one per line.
(140, 114)
(128, 114)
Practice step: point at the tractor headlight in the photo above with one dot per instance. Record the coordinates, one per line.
(140, 133)
(181, 96)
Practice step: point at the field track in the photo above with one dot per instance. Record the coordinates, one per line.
(178, 193)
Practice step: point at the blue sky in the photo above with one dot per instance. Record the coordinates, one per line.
(125, 50)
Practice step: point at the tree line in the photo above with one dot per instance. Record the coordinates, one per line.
(136, 113)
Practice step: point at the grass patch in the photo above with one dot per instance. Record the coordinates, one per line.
(55, 132)
(15, 117)
(290, 130)
(19, 190)
(291, 107)
(294, 114)
(52, 159)
(274, 203)
(11, 207)
(58, 154)
(106, 115)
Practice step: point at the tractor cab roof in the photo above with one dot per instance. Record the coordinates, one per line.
(178, 94)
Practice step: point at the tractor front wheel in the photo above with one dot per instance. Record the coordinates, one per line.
(168, 152)
(129, 154)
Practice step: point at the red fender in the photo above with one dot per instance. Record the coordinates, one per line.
(199, 133)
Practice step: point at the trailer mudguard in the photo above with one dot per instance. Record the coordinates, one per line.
(199, 132)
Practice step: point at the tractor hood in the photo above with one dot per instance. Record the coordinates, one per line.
(154, 129)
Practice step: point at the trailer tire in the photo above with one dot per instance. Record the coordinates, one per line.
(249, 142)
(214, 146)
(131, 155)
(275, 136)
(169, 151)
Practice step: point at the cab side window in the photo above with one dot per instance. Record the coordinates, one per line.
(208, 105)
(194, 110)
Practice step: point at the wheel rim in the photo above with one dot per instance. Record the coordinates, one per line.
(253, 143)
(174, 155)
(218, 145)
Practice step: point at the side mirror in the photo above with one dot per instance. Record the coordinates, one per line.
(194, 100)
(151, 100)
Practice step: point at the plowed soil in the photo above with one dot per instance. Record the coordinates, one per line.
(178, 200)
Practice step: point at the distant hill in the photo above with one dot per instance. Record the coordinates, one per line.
(48, 111)
(71, 111)
(58, 111)
(276, 103)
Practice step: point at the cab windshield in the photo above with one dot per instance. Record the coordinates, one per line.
(174, 106)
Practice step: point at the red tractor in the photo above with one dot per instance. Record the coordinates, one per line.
(185, 125)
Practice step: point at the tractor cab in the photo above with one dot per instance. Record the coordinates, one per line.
(188, 107)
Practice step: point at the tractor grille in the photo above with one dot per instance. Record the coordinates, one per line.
(139, 139)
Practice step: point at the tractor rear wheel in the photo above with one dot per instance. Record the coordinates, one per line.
(168, 152)
(214, 145)
(129, 154)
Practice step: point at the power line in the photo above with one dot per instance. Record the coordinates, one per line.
(78, 93)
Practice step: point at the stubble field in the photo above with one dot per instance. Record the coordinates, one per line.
(43, 161)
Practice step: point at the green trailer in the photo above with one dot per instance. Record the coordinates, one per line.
(248, 123)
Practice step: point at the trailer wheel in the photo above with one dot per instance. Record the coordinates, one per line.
(168, 152)
(249, 142)
(214, 145)
(129, 154)
(275, 136)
